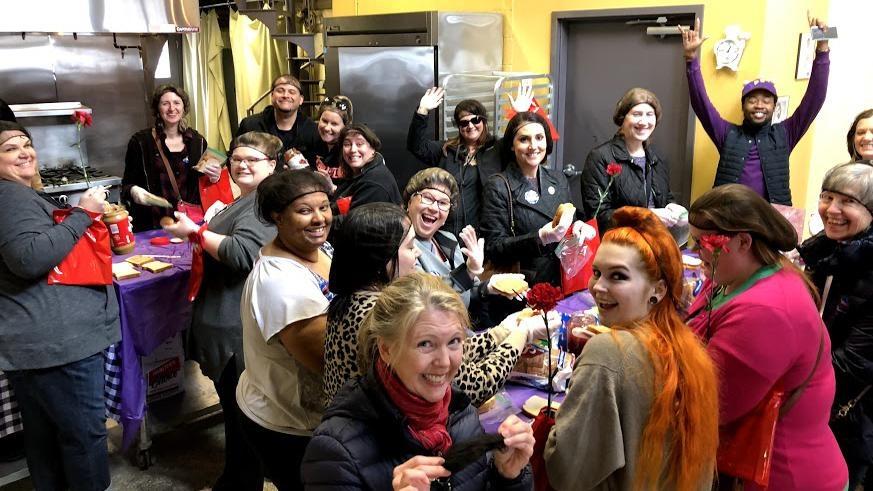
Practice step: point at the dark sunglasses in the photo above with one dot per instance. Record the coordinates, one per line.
(474, 121)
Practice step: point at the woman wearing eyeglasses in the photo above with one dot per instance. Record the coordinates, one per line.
(230, 242)
(471, 157)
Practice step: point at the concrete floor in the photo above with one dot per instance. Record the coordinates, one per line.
(187, 444)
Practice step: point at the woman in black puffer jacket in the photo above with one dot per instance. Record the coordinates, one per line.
(388, 429)
(472, 156)
(840, 255)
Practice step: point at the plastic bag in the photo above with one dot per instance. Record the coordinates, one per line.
(576, 255)
(89, 262)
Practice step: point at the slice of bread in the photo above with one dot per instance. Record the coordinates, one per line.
(563, 208)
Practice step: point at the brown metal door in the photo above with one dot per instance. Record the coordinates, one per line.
(603, 58)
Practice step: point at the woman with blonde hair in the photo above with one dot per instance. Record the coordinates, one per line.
(759, 319)
(642, 410)
(393, 427)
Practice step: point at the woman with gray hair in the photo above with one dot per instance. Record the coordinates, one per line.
(838, 261)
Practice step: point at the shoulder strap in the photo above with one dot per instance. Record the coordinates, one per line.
(792, 398)
(509, 201)
(166, 164)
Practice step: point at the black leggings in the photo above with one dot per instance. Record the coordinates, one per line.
(280, 453)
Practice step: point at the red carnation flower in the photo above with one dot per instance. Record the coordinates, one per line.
(82, 118)
(715, 243)
(544, 297)
(613, 169)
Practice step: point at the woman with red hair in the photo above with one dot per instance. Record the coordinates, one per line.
(642, 411)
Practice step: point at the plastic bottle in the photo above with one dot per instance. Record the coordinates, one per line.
(121, 236)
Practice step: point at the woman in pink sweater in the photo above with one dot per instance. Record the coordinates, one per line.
(759, 319)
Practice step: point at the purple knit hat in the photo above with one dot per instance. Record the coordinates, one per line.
(759, 84)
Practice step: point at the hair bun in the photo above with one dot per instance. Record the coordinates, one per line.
(643, 220)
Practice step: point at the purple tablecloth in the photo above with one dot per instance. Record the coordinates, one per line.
(518, 394)
(152, 307)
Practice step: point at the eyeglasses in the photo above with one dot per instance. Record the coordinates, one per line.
(248, 160)
(463, 123)
(428, 200)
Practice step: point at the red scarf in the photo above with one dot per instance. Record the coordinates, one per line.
(427, 420)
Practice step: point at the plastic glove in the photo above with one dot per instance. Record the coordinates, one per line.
(474, 250)
(680, 213)
(139, 195)
(212, 171)
(431, 100)
(583, 230)
(142, 197)
(549, 234)
(524, 96)
(536, 328)
(183, 227)
(500, 276)
(666, 216)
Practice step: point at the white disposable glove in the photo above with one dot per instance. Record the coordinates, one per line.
(212, 171)
(499, 276)
(679, 212)
(583, 231)
(665, 215)
(431, 100)
(183, 227)
(550, 235)
(474, 250)
(536, 328)
(139, 195)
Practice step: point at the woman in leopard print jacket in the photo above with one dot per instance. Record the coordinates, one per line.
(375, 245)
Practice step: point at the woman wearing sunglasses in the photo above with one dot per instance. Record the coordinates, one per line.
(471, 157)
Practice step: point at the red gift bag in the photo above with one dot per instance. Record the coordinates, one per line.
(210, 192)
(745, 448)
(579, 281)
(89, 263)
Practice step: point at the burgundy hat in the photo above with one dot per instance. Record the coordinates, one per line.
(759, 84)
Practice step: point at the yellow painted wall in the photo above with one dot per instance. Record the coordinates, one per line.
(770, 53)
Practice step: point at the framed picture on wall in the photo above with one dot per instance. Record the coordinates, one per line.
(780, 113)
(805, 55)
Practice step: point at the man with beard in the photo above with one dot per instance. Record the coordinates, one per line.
(755, 153)
(282, 118)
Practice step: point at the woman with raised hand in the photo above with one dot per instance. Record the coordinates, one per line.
(471, 157)
(391, 428)
(758, 316)
(838, 261)
(642, 408)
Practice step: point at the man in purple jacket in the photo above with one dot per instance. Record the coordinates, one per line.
(755, 153)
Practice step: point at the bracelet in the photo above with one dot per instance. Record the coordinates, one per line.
(197, 237)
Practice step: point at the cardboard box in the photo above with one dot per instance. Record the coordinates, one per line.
(163, 369)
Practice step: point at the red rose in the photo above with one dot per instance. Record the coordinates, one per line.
(715, 242)
(544, 297)
(82, 118)
(613, 169)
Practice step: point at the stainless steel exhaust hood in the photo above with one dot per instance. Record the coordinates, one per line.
(101, 16)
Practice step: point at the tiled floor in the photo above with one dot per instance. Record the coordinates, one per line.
(187, 444)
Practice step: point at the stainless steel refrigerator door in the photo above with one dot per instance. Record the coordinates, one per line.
(385, 85)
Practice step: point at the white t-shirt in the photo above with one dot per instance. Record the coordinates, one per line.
(275, 391)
